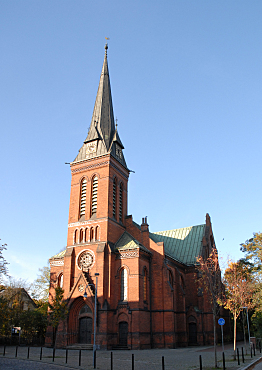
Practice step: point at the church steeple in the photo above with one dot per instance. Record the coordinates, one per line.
(102, 136)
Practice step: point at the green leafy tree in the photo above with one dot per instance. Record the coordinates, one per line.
(3, 263)
(58, 311)
(5, 317)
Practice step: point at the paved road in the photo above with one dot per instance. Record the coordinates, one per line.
(14, 364)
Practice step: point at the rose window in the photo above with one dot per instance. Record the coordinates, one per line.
(85, 261)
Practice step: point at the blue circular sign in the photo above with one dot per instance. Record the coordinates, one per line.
(221, 322)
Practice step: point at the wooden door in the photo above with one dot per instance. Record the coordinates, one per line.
(192, 333)
(123, 333)
(85, 330)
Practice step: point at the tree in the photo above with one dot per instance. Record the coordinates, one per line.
(253, 252)
(40, 287)
(3, 263)
(210, 279)
(58, 311)
(239, 289)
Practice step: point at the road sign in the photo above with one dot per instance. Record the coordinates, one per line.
(221, 321)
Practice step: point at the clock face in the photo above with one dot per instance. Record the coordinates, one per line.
(118, 151)
(91, 148)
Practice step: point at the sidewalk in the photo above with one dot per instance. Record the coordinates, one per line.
(175, 359)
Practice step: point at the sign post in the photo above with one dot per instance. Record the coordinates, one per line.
(221, 322)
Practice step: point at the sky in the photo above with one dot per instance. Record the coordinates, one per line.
(186, 83)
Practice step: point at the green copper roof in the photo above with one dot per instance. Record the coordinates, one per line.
(59, 255)
(127, 242)
(184, 244)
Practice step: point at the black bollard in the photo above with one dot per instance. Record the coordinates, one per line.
(79, 359)
(16, 348)
(243, 358)
(111, 360)
(238, 360)
(260, 346)
(66, 355)
(254, 349)
(4, 351)
(133, 361)
(251, 354)
(28, 350)
(200, 362)
(95, 359)
(41, 352)
(163, 363)
(224, 362)
(53, 354)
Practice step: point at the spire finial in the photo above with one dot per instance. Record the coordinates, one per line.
(106, 45)
(116, 123)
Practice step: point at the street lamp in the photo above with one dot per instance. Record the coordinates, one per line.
(85, 296)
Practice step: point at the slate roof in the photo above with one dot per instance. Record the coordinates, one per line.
(59, 255)
(184, 245)
(102, 128)
(126, 242)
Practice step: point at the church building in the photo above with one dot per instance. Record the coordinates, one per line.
(148, 293)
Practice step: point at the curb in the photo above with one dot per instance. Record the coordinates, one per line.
(251, 366)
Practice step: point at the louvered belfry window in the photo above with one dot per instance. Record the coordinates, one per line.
(94, 195)
(83, 198)
(120, 202)
(114, 198)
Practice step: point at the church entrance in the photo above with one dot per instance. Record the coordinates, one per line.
(85, 330)
(123, 333)
(192, 333)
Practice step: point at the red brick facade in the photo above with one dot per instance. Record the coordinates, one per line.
(159, 306)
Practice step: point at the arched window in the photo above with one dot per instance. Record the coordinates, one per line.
(114, 197)
(94, 195)
(145, 285)
(121, 202)
(85, 309)
(83, 198)
(86, 235)
(91, 234)
(97, 233)
(124, 285)
(81, 236)
(60, 280)
(76, 236)
(170, 278)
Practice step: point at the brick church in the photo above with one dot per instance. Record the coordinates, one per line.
(147, 291)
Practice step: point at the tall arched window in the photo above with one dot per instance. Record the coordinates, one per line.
(76, 237)
(124, 285)
(121, 202)
(86, 235)
(91, 234)
(114, 197)
(145, 284)
(83, 198)
(60, 280)
(97, 233)
(94, 195)
(81, 236)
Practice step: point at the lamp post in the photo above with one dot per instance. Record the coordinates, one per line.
(85, 296)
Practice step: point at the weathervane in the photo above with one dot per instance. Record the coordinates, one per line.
(106, 46)
(116, 123)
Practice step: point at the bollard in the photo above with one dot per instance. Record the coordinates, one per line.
(41, 352)
(224, 362)
(79, 360)
(95, 359)
(243, 358)
(163, 363)
(53, 354)
(251, 355)
(238, 361)
(111, 360)
(200, 362)
(28, 350)
(254, 349)
(16, 348)
(4, 351)
(66, 355)
(133, 361)
(260, 346)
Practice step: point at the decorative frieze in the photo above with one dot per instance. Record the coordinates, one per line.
(57, 263)
(90, 167)
(129, 254)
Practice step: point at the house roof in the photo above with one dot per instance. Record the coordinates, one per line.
(184, 245)
(126, 242)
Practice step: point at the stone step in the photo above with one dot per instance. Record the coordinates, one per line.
(80, 346)
(120, 348)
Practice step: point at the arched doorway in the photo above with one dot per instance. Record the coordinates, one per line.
(123, 333)
(85, 330)
(192, 337)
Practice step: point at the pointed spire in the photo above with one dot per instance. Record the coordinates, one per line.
(103, 114)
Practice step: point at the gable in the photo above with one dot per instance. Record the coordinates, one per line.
(183, 244)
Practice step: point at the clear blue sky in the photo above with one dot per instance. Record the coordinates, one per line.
(186, 81)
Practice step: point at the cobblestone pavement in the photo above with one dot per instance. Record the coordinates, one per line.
(175, 359)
